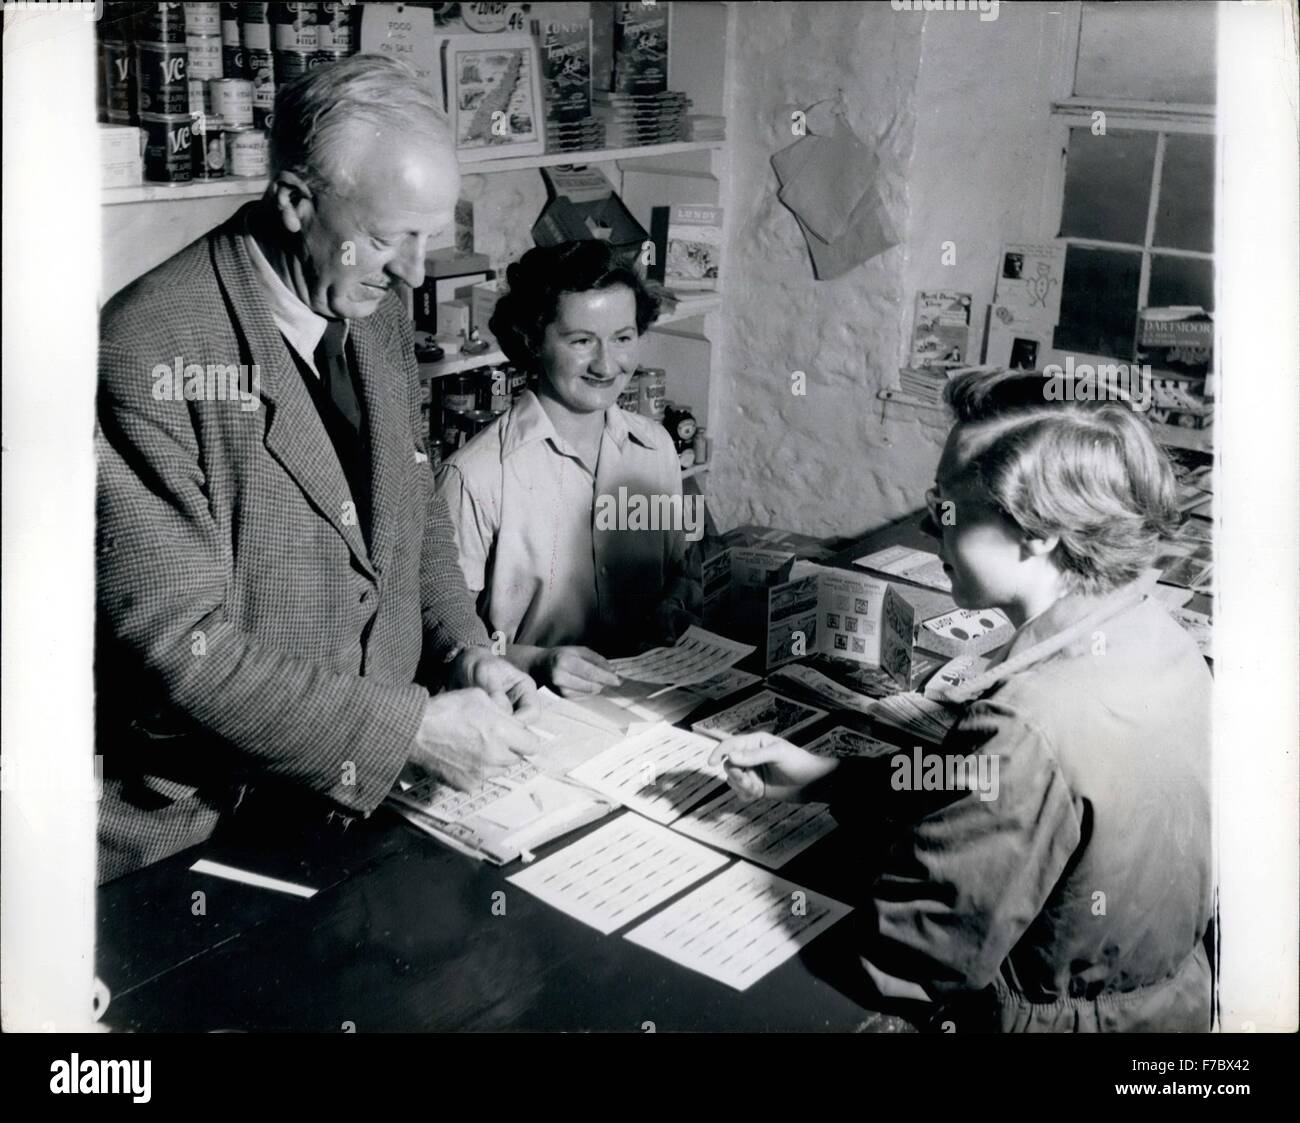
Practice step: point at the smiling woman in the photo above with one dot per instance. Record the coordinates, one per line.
(552, 581)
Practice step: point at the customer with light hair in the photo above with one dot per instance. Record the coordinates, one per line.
(1079, 897)
(278, 589)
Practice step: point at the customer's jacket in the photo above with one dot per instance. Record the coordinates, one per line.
(246, 634)
(1078, 898)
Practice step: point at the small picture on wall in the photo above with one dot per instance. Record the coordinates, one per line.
(1013, 266)
(1024, 354)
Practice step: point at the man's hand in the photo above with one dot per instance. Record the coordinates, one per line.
(574, 672)
(759, 765)
(509, 687)
(465, 737)
(670, 620)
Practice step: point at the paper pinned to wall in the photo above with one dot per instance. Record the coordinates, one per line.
(829, 182)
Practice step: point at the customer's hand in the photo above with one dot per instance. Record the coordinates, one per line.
(508, 686)
(465, 737)
(573, 672)
(759, 765)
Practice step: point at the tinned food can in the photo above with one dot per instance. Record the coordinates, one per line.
(202, 18)
(209, 147)
(334, 27)
(256, 36)
(295, 27)
(458, 394)
(168, 147)
(246, 153)
(493, 389)
(205, 56)
(232, 101)
(200, 97)
(160, 23)
(117, 81)
(230, 26)
(291, 64)
(261, 73)
(652, 384)
(232, 61)
(324, 58)
(162, 71)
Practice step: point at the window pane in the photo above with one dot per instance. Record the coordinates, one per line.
(1185, 214)
(1147, 52)
(1099, 299)
(1108, 186)
(1181, 280)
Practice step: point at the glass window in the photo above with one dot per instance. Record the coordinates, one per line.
(1099, 301)
(1147, 52)
(1185, 213)
(1108, 186)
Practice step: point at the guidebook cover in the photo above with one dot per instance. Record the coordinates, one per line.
(688, 246)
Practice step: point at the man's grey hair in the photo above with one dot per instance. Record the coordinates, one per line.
(317, 113)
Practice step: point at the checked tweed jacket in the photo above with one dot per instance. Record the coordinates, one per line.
(245, 633)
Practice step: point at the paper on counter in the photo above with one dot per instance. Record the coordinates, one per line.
(739, 925)
(617, 873)
(767, 831)
(696, 656)
(917, 566)
(571, 732)
(659, 773)
(765, 712)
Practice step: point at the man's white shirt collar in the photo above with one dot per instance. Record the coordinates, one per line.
(302, 327)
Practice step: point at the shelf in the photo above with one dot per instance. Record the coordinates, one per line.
(209, 189)
(698, 306)
(182, 192)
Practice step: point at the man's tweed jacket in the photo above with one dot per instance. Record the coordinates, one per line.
(245, 633)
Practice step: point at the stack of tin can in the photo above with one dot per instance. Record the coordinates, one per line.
(463, 405)
(163, 92)
(200, 78)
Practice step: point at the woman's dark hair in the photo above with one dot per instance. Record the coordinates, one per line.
(535, 283)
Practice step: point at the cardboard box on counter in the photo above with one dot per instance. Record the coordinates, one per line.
(120, 163)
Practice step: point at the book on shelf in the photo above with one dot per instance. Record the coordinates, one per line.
(688, 246)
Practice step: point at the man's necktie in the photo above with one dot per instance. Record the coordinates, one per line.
(332, 365)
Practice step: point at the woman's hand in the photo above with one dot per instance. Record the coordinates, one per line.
(759, 765)
(573, 672)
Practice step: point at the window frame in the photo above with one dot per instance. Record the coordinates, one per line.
(1162, 118)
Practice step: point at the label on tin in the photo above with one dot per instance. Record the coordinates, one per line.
(334, 31)
(167, 151)
(232, 100)
(204, 57)
(163, 75)
(246, 152)
(119, 81)
(209, 150)
(230, 33)
(296, 36)
(202, 18)
(256, 36)
(160, 23)
(232, 63)
(459, 401)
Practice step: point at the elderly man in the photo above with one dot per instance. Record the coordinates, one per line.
(277, 589)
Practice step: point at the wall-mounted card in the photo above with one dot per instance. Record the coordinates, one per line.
(941, 329)
(1029, 280)
(765, 712)
(494, 96)
(1016, 343)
